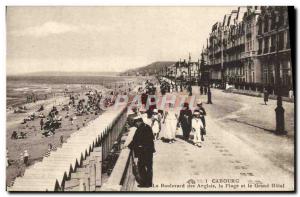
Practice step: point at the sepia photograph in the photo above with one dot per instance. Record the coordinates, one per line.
(150, 99)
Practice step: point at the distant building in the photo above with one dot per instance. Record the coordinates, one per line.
(186, 70)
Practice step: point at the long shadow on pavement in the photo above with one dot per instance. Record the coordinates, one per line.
(187, 141)
(269, 130)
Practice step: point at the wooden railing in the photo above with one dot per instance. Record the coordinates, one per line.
(122, 178)
(112, 132)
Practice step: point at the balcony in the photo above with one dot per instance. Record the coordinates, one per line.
(248, 54)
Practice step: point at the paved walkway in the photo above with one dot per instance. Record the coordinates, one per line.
(223, 163)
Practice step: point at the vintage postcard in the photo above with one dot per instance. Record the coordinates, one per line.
(150, 99)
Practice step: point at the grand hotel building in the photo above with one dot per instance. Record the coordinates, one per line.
(246, 47)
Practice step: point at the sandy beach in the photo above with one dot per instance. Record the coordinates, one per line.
(35, 142)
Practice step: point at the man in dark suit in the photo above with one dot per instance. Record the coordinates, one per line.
(185, 121)
(143, 146)
(202, 111)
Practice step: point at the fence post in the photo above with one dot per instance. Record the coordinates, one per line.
(98, 158)
(84, 183)
(92, 170)
(104, 145)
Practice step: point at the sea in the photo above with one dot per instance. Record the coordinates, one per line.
(19, 87)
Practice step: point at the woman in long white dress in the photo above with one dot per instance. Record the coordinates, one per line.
(169, 126)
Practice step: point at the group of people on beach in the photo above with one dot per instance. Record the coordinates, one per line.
(91, 102)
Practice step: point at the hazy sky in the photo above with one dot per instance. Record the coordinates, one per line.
(104, 38)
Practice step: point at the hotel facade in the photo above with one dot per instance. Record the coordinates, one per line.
(245, 48)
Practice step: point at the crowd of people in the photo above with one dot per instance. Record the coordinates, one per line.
(163, 124)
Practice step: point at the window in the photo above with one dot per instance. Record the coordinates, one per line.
(286, 79)
(259, 46)
(259, 27)
(281, 19)
(266, 24)
(281, 41)
(273, 43)
(266, 49)
(287, 40)
(273, 21)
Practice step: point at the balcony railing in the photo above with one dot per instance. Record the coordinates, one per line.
(248, 54)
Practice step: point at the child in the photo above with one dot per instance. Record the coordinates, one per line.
(156, 123)
(197, 126)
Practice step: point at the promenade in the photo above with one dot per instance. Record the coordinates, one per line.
(226, 161)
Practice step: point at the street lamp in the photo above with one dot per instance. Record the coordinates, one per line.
(222, 60)
(190, 80)
(279, 110)
(198, 72)
(181, 79)
(208, 91)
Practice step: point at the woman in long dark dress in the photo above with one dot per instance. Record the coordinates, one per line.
(185, 121)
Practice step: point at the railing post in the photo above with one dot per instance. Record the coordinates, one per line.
(107, 143)
(104, 146)
(92, 170)
(98, 159)
(108, 140)
(84, 183)
(83, 186)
